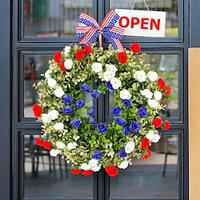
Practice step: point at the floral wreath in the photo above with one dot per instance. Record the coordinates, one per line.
(69, 124)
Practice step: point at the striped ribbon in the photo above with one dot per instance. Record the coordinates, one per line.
(88, 29)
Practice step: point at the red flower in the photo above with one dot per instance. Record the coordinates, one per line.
(135, 47)
(39, 142)
(112, 170)
(87, 172)
(87, 49)
(62, 67)
(168, 91)
(122, 57)
(79, 54)
(167, 126)
(161, 84)
(37, 110)
(147, 155)
(57, 57)
(157, 122)
(75, 171)
(145, 143)
(47, 145)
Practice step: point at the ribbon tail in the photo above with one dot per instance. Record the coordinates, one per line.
(90, 36)
(116, 44)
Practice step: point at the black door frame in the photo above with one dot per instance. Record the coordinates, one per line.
(6, 63)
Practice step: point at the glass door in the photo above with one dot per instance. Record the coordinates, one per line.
(42, 27)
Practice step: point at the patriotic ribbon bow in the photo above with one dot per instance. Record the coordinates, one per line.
(88, 29)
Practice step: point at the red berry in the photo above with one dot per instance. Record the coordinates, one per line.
(57, 57)
(75, 171)
(87, 49)
(47, 145)
(147, 155)
(39, 142)
(161, 84)
(37, 110)
(145, 143)
(87, 172)
(168, 91)
(135, 47)
(167, 126)
(122, 57)
(79, 55)
(157, 122)
(62, 67)
(112, 170)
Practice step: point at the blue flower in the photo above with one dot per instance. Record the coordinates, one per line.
(95, 94)
(126, 103)
(79, 104)
(68, 110)
(126, 130)
(116, 111)
(76, 123)
(97, 155)
(120, 121)
(67, 99)
(142, 112)
(122, 153)
(135, 126)
(92, 120)
(101, 128)
(91, 111)
(109, 86)
(85, 88)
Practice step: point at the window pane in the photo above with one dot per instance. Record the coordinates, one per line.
(156, 177)
(45, 176)
(167, 67)
(50, 18)
(34, 66)
(170, 6)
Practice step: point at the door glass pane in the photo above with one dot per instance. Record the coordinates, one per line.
(50, 18)
(34, 66)
(48, 177)
(169, 6)
(167, 67)
(156, 177)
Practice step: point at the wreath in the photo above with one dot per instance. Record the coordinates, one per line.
(69, 124)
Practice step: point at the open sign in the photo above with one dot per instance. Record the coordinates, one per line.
(142, 23)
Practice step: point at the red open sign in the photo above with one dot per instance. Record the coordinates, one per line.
(142, 23)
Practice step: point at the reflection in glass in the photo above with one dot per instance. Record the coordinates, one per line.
(156, 177)
(167, 67)
(34, 66)
(50, 18)
(45, 176)
(169, 6)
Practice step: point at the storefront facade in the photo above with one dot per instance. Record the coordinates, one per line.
(32, 30)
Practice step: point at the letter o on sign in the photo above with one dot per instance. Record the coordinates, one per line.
(124, 21)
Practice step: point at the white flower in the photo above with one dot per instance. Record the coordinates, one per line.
(123, 164)
(58, 126)
(96, 168)
(71, 145)
(67, 49)
(116, 83)
(96, 67)
(147, 93)
(47, 74)
(110, 67)
(51, 83)
(153, 76)
(68, 63)
(153, 103)
(60, 145)
(152, 136)
(157, 95)
(53, 114)
(59, 92)
(156, 138)
(54, 152)
(45, 118)
(108, 75)
(125, 94)
(140, 76)
(85, 166)
(93, 163)
(130, 146)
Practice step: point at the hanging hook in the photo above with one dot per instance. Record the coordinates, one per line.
(145, 3)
